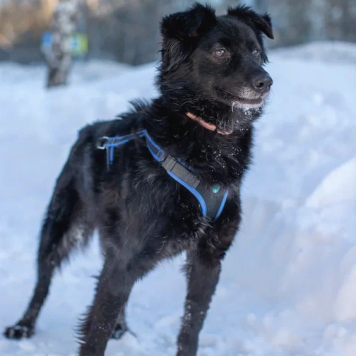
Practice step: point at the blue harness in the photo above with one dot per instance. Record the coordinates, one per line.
(212, 199)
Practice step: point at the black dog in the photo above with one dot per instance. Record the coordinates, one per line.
(146, 205)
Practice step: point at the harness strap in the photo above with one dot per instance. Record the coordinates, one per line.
(212, 199)
(170, 164)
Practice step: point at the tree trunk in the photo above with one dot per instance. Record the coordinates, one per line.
(59, 57)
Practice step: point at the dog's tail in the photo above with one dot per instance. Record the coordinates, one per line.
(66, 224)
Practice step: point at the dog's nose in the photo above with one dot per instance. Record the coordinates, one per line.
(262, 83)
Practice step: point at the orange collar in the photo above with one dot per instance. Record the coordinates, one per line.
(206, 125)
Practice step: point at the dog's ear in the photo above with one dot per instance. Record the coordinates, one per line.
(189, 24)
(182, 30)
(262, 23)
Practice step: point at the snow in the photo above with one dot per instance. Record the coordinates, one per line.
(331, 52)
(288, 286)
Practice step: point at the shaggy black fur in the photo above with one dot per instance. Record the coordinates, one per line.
(211, 67)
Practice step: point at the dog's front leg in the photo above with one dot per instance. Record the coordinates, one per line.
(113, 289)
(202, 279)
(114, 286)
(203, 270)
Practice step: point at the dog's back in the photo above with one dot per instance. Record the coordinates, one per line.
(80, 188)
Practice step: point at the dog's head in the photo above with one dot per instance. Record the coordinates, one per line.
(219, 58)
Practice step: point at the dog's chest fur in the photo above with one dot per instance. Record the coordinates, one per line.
(139, 201)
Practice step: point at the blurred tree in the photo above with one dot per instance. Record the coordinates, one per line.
(292, 20)
(340, 19)
(58, 55)
(128, 30)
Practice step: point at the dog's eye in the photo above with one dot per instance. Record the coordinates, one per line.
(256, 53)
(221, 53)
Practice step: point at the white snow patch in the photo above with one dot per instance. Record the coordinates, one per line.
(288, 286)
(337, 186)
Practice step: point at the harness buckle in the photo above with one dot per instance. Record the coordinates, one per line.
(100, 145)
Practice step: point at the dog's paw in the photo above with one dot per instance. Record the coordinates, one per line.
(18, 332)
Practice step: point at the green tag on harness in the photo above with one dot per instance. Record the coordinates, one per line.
(216, 188)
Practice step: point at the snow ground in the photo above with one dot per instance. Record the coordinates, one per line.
(288, 286)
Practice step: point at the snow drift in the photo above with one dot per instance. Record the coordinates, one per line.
(288, 285)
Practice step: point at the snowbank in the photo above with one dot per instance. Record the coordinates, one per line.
(289, 284)
(331, 52)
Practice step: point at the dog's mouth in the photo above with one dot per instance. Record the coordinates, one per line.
(224, 130)
(239, 101)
